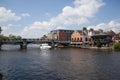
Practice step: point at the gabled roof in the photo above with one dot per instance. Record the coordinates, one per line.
(111, 32)
(97, 32)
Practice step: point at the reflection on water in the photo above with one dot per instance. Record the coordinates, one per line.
(59, 64)
(45, 53)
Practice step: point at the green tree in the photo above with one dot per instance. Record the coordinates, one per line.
(1, 38)
(18, 37)
(12, 37)
(116, 46)
(15, 37)
(98, 43)
(5, 37)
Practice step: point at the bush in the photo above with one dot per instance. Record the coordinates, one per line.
(98, 43)
(116, 46)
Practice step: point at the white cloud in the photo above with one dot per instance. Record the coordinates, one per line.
(76, 15)
(112, 25)
(7, 15)
(11, 29)
(79, 14)
(36, 30)
(25, 14)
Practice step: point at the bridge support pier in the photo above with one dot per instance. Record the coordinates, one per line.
(0, 47)
(23, 46)
(52, 44)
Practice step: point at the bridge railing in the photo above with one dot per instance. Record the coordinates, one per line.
(33, 41)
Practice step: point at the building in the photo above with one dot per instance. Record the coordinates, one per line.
(90, 36)
(77, 36)
(80, 35)
(116, 38)
(60, 35)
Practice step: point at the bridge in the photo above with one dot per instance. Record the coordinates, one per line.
(24, 42)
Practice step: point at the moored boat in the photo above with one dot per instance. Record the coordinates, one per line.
(45, 46)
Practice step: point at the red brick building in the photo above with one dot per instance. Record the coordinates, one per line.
(60, 35)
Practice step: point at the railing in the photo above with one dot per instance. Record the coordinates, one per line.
(31, 41)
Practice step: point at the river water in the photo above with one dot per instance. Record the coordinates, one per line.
(58, 64)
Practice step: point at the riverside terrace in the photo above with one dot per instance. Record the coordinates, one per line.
(24, 42)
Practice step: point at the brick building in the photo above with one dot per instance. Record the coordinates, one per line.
(80, 35)
(90, 36)
(60, 35)
(77, 36)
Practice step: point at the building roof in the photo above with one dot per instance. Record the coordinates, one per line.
(101, 34)
(111, 32)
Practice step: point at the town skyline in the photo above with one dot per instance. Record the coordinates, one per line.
(36, 18)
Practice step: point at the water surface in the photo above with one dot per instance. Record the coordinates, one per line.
(58, 64)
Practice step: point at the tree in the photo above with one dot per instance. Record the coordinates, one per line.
(116, 46)
(98, 43)
(15, 37)
(18, 37)
(1, 38)
(12, 36)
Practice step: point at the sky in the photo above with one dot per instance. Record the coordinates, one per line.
(35, 18)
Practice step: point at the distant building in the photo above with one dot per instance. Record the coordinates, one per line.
(44, 37)
(82, 36)
(77, 36)
(116, 38)
(60, 35)
(90, 36)
(111, 32)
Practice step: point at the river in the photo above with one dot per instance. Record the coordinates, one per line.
(58, 64)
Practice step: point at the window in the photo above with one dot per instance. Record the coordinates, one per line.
(77, 39)
(80, 39)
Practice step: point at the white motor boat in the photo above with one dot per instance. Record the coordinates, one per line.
(45, 46)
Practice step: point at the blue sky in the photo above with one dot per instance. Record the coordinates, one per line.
(34, 18)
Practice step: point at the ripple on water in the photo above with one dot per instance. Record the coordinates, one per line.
(59, 64)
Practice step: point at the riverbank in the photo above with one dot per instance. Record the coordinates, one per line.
(93, 47)
(102, 48)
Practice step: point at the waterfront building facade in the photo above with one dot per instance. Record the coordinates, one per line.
(80, 35)
(90, 37)
(77, 36)
(84, 36)
(60, 35)
(116, 38)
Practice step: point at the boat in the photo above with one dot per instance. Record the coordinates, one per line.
(45, 46)
(59, 45)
